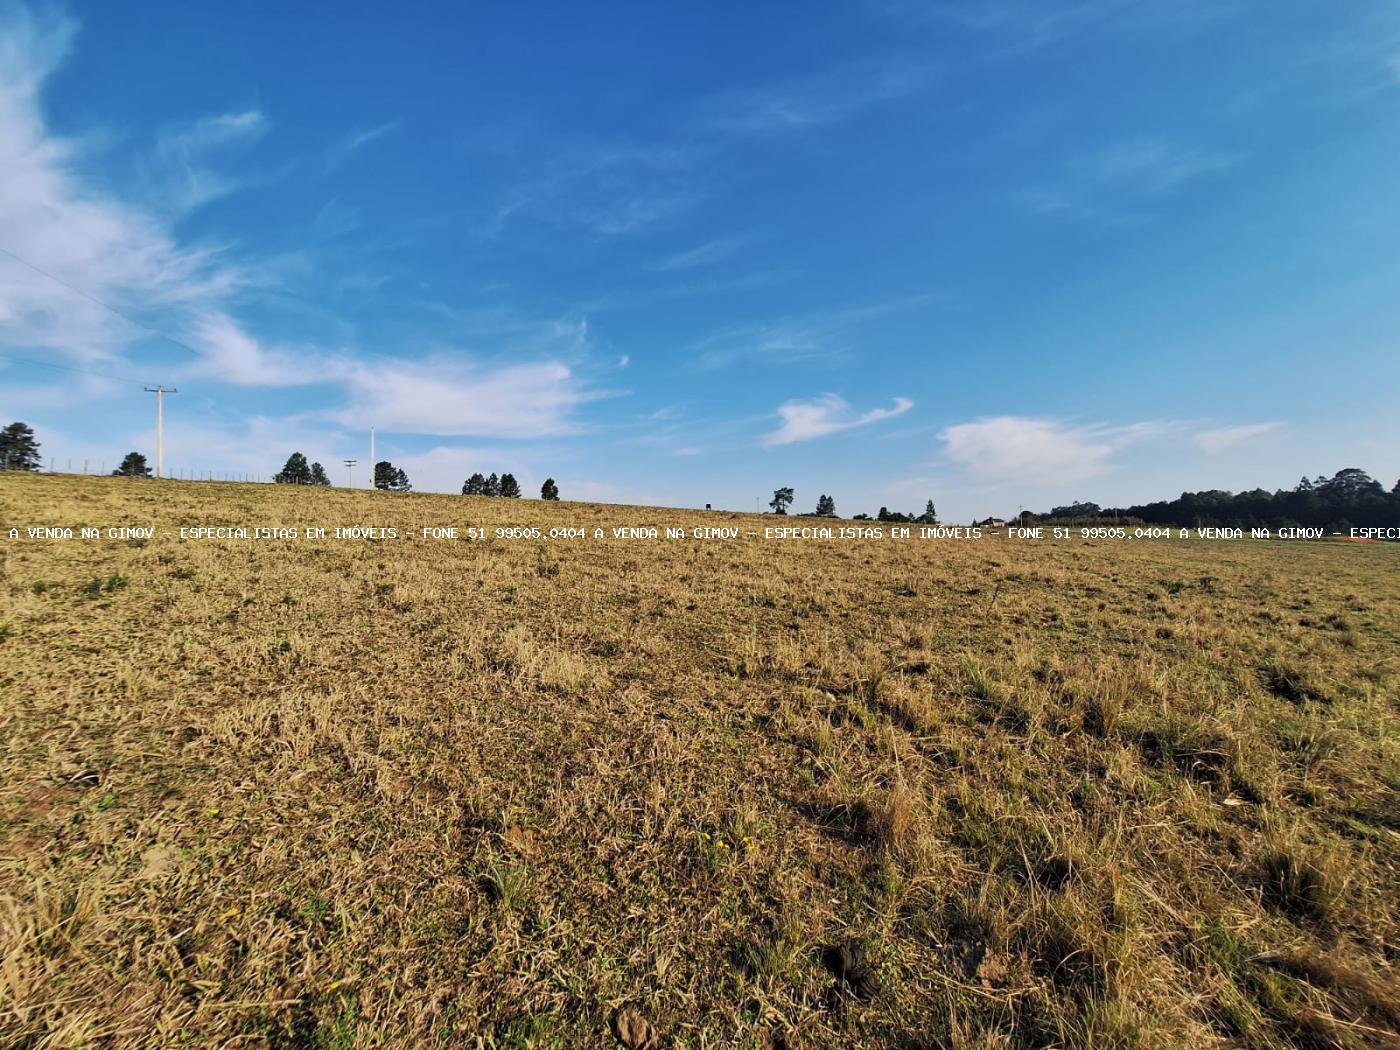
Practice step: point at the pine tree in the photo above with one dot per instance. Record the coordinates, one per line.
(781, 499)
(318, 475)
(929, 516)
(390, 478)
(18, 449)
(296, 471)
(549, 490)
(493, 486)
(826, 506)
(133, 466)
(510, 488)
(474, 485)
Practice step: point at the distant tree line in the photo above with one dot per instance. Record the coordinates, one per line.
(505, 485)
(1351, 498)
(826, 508)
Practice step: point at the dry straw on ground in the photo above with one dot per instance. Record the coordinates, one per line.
(506, 793)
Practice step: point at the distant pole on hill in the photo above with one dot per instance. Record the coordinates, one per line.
(350, 472)
(160, 393)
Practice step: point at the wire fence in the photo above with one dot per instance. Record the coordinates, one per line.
(100, 468)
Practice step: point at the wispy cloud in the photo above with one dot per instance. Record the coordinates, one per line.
(827, 414)
(1122, 181)
(819, 336)
(1152, 166)
(622, 187)
(339, 151)
(611, 187)
(182, 173)
(1214, 441)
(1035, 451)
(1017, 27)
(827, 98)
(80, 247)
(712, 251)
(83, 247)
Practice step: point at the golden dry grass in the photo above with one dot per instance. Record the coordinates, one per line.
(485, 794)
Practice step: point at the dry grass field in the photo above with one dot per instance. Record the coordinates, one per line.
(711, 794)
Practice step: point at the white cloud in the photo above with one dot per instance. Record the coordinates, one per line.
(231, 354)
(444, 395)
(624, 361)
(75, 248)
(827, 414)
(91, 248)
(1015, 448)
(1214, 441)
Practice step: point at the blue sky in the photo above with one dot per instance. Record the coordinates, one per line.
(993, 253)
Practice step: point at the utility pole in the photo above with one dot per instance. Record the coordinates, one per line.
(371, 457)
(160, 393)
(350, 471)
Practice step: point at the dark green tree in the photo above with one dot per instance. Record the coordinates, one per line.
(549, 490)
(474, 485)
(318, 475)
(133, 466)
(782, 499)
(510, 488)
(296, 471)
(893, 515)
(18, 449)
(390, 478)
(929, 516)
(1351, 483)
(493, 486)
(826, 506)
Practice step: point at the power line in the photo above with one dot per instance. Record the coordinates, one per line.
(105, 305)
(80, 369)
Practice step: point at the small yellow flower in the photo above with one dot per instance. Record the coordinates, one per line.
(229, 914)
